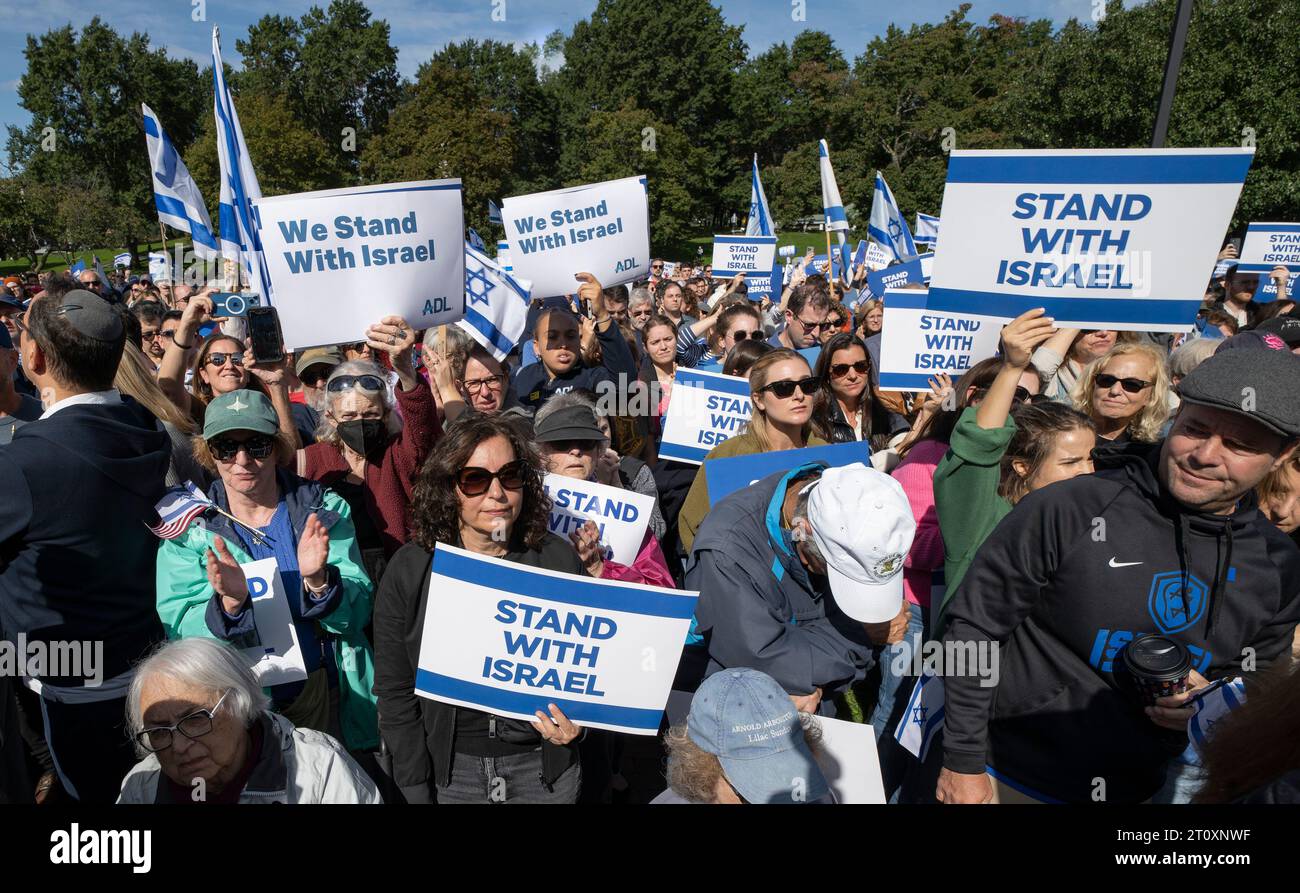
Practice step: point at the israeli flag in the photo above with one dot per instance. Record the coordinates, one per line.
(760, 218)
(122, 260)
(832, 205)
(887, 225)
(927, 228)
(1212, 704)
(239, 188)
(475, 239)
(496, 304)
(175, 194)
(494, 213)
(923, 720)
(77, 267)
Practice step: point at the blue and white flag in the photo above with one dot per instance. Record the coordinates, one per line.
(832, 204)
(103, 277)
(178, 507)
(496, 304)
(924, 717)
(1212, 704)
(77, 267)
(760, 218)
(887, 225)
(494, 213)
(175, 194)
(240, 241)
(927, 228)
(122, 260)
(475, 240)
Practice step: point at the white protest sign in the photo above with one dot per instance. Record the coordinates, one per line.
(509, 639)
(919, 342)
(277, 659)
(877, 258)
(752, 255)
(1269, 245)
(503, 256)
(160, 269)
(704, 409)
(341, 259)
(849, 761)
(602, 229)
(622, 515)
(1102, 238)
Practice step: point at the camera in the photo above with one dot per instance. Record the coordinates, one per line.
(226, 303)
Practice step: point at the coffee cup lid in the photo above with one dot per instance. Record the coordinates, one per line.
(1157, 657)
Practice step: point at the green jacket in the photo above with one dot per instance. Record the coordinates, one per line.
(184, 593)
(966, 496)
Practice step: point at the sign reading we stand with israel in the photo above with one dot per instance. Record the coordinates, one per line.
(923, 341)
(1269, 245)
(704, 409)
(1102, 238)
(340, 259)
(755, 256)
(602, 229)
(511, 639)
(726, 476)
(621, 515)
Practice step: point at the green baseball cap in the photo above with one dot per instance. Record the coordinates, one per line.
(240, 411)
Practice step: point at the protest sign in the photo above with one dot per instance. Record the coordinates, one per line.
(622, 515)
(755, 256)
(704, 409)
(276, 658)
(503, 257)
(602, 229)
(1267, 289)
(1269, 245)
(849, 761)
(1101, 238)
(922, 341)
(927, 266)
(122, 260)
(726, 476)
(510, 639)
(160, 269)
(894, 277)
(341, 259)
(877, 258)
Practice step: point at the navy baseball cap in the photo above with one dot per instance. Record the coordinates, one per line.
(749, 723)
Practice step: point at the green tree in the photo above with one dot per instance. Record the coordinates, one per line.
(29, 215)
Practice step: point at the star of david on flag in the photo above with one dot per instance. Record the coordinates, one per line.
(496, 309)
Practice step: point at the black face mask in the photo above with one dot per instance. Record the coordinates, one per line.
(368, 437)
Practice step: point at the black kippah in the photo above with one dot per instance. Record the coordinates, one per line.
(91, 315)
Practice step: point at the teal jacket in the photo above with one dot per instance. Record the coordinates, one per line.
(184, 594)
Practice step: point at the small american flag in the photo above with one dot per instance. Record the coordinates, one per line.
(178, 507)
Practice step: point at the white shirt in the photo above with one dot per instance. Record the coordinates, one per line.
(93, 398)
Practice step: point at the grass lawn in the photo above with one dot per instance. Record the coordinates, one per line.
(56, 260)
(800, 240)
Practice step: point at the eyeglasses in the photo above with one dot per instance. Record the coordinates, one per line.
(1023, 396)
(475, 481)
(815, 326)
(360, 382)
(225, 449)
(656, 266)
(492, 383)
(839, 370)
(785, 389)
(644, 312)
(741, 335)
(1132, 385)
(151, 336)
(568, 446)
(196, 725)
(217, 358)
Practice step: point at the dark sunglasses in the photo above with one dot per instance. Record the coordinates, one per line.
(475, 481)
(1132, 385)
(742, 335)
(259, 446)
(567, 446)
(217, 358)
(785, 389)
(816, 326)
(361, 382)
(839, 370)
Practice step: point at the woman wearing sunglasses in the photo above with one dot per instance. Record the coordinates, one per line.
(847, 408)
(782, 392)
(368, 453)
(263, 511)
(481, 490)
(1125, 393)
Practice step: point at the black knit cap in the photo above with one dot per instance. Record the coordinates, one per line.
(1263, 385)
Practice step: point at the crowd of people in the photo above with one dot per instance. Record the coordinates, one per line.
(1050, 506)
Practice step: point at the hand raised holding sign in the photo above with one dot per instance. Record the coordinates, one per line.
(396, 337)
(593, 293)
(226, 578)
(556, 728)
(586, 539)
(1023, 335)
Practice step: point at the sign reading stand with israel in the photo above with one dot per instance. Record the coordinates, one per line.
(1101, 238)
(705, 409)
(754, 256)
(509, 639)
(1269, 245)
(602, 229)
(923, 342)
(621, 515)
(340, 259)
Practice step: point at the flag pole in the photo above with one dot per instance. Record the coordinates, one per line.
(830, 261)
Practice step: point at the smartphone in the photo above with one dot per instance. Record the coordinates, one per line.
(225, 303)
(265, 335)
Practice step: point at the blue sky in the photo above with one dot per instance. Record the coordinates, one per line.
(421, 27)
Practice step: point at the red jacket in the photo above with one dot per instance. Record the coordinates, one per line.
(390, 481)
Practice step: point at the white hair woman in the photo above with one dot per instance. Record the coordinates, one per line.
(1126, 393)
(203, 725)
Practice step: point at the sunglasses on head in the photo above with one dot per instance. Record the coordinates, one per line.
(1132, 385)
(259, 446)
(216, 358)
(360, 382)
(474, 481)
(784, 389)
(839, 370)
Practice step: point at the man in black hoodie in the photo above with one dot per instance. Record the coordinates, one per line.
(1165, 538)
(77, 488)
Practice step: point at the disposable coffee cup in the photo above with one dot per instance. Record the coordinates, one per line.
(1159, 667)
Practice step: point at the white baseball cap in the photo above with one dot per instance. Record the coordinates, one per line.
(863, 525)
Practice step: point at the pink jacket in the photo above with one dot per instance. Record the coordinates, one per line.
(649, 567)
(916, 475)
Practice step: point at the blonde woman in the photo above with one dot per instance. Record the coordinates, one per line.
(135, 380)
(1125, 393)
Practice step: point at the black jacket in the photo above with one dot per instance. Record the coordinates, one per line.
(881, 425)
(1070, 577)
(421, 732)
(532, 387)
(76, 559)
